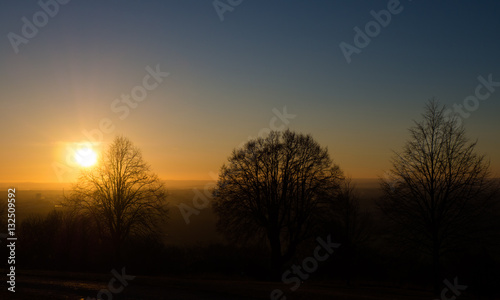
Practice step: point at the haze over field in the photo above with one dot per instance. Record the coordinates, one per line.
(40, 199)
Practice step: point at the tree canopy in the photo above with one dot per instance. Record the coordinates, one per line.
(275, 187)
(121, 193)
(439, 192)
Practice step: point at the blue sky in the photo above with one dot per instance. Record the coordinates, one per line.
(226, 77)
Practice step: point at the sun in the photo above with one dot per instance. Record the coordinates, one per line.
(86, 157)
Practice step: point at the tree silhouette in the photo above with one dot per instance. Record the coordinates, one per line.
(275, 188)
(439, 193)
(349, 224)
(121, 193)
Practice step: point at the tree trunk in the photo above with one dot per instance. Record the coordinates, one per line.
(436, 268)
(276, 257)
(349, 262)
(117, 253)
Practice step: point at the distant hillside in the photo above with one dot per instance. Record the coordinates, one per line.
(35, 185)
(170, 184)
(361, 183)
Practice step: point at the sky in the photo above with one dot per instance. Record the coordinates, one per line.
(188, 81)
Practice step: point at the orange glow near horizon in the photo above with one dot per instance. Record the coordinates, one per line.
(65, 160)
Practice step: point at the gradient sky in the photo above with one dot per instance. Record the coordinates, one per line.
(226, 77)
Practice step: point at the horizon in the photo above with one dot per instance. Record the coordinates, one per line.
(176, 184)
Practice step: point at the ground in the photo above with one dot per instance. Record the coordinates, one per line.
(57, 285)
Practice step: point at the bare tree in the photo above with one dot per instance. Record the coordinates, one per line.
(352, 223)
(121, 193)
(439, 193)
(275, 188)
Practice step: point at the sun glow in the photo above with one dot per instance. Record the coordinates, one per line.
(85, 157)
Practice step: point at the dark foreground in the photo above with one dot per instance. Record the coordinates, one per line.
(38, 285)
